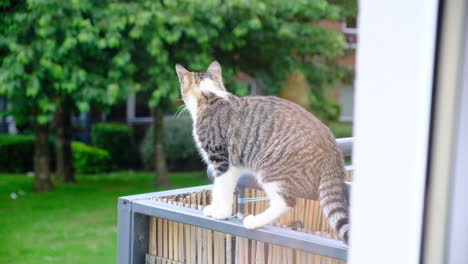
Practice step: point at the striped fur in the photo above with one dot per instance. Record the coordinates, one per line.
(291, 153)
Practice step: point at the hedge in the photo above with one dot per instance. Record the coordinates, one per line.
(90, 159)
(16, 153)
(117, 139)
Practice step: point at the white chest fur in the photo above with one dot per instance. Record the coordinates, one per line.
(191, 104)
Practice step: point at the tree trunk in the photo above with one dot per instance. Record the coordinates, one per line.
(65, 172)
(160, 168)
(42, 180)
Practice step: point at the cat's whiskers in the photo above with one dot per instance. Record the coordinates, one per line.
(181, 111)
(178, 110)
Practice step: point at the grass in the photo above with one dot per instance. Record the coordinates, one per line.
(74, 223)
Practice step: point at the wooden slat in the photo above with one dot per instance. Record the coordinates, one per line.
(260, 253)
(181, 240)
(188, 239)
(165, 239)
(228, 249)
(210, 248)
(270, 253)
(246, 250)
(205, 247)
(216, 247)
(238, 251)
(199, 236)
(222, 248)
(175, 229)
(160, 237)
(169, 242)
(193, 238)
(253, 251)
(152, 236)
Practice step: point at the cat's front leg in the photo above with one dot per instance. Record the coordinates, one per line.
(222, 194)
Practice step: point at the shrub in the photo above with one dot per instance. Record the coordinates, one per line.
(17, 152)
(89, 159)
(179, 147)
(117, 140)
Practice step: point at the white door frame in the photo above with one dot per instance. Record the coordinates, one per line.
(394, 84)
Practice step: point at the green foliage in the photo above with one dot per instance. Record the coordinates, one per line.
(16, 153)
(117, 139)
(180, 150)
(89, 159)
(55, 52)
(349, 8)
(266, 39)
(290, 39)
(89, 51)
(324, 107)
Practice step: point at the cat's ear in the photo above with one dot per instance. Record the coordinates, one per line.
(181, 71)
(215, 68)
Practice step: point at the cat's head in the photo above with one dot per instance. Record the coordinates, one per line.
(197, 87)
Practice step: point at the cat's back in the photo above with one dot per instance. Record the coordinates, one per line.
(283, 113)
(269, 128)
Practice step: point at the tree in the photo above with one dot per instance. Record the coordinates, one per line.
(150, 44)
(276, 37)
(55, 56)
(349, 9)
(266, 39)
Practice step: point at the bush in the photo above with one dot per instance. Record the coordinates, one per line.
(179, 147)
(89, 159)
(17, 152)
(117, 140)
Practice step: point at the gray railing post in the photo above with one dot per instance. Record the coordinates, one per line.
(124, 233)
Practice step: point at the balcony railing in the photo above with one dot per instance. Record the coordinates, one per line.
(136, 230)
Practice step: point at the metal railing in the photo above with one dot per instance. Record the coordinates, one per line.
(133, 224)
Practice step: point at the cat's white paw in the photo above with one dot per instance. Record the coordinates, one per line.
(252, 222)
(221, 214)
(208, 211)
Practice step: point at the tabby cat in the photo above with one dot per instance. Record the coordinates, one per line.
(288, 150)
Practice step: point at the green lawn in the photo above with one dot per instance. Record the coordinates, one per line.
(75, 223)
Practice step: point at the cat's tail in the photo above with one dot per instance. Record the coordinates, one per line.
(333, 197)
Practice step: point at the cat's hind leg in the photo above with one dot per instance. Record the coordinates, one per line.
(279, 204)
(223, 195)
